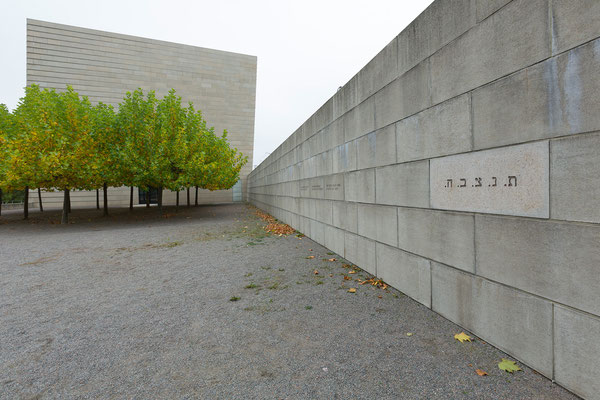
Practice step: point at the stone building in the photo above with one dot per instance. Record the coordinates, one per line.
(104, 66)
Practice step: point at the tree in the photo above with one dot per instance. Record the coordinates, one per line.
(5, 131)
(135, 126)
(107, 145)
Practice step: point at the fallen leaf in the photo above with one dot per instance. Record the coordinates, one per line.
(351, 290)
(347, 278)
(331, 275)
(409, 334)
(462, 337)
(316, 272)
(508, 366)
(310, 257)
(481, 372)
(381, 297)
(331, 259)
(352, 272)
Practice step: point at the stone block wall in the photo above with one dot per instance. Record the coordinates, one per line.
(104, 66)
(462, 166)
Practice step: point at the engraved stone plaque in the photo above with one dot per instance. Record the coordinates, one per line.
(511, 180)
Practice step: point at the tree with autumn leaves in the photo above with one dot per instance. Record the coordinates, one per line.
(59, 141)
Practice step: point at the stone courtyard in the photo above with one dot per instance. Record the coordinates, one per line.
(205, 304)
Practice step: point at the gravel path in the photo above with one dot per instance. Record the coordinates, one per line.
(138, 306)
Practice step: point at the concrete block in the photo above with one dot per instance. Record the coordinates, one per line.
(324, 163)
(439, 24)
(441, 130)
(407, 95)
(442, 236)
(517, 323)
(378, 223)
(317, 232)
(513, 38)
(485, 8)
(553, 98)
(403, 184)
(345, 216)
(346, 98)
(377, 148)
(380, 71)
(575, 178)
(344, 158)
(323, 211)
(316, 188)
(577, 351)
(556, 260)
(510, 180)
(360, 120)
(359, 186)
(334, 239)
(336, 133)
(566, 15)
(334, 187)
(406, 272)
(324, 115)
(360, 251)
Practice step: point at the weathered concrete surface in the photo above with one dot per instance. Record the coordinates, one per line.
(575, 172)
(511, 180)
(494, 92)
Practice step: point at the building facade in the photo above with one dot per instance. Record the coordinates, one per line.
(104, 66)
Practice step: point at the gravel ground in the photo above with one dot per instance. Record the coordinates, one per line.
(137, 306)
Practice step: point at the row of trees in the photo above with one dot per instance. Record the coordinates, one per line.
(60, 141)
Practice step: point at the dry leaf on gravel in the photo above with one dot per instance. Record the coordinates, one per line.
(352, 272)
(351, 290)
(462, 337)
(481, 372)
(508, 366)
(316, 272)
(310, 257)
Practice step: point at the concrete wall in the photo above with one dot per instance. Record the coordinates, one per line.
(462, 166)
(104, 66)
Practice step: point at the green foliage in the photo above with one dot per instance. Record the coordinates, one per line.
(60, 141)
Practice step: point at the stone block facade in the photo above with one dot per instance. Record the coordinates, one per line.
(461, 165)
(104, 66)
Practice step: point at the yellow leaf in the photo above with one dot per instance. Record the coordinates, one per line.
(481, 372)
(462, 337)
(508, 366)
(352, 272)
(351, 290)
(409, 334)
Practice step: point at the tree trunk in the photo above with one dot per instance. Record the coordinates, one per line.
(159, 195)
(97, 199)
(131, 199)
(196, 201)
(40, 199)
(0, 201)
(69, 202)
(177, 202)
(105, 187)
(148, 198)
(26, 204)
(188, 197)
(65, 213)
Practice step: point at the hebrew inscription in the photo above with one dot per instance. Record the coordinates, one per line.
(511, 180)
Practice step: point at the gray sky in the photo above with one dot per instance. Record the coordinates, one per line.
(306, 49)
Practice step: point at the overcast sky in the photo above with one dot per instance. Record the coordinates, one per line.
(306, 49)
